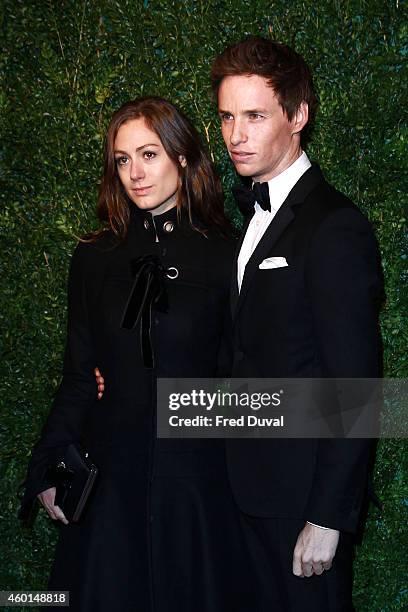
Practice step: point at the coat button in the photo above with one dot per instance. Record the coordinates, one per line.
(168, 226)
(146, 224)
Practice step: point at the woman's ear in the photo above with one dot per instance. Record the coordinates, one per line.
(182, 161)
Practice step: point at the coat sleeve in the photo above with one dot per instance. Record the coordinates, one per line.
(77, 389)
(345, 288)
(224, 264)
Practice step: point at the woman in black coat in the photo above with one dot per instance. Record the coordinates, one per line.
(161, 531)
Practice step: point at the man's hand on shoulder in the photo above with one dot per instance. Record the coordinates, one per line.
(314, 551)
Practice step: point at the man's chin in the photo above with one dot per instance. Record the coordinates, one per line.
(243, 169)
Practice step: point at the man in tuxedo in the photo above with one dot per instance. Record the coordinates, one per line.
(305, 297)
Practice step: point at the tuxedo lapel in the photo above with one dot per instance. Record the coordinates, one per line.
(282, 219)
(285, 215)
(234, 277)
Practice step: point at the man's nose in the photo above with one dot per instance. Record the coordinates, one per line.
(137, 172)
(237, 133)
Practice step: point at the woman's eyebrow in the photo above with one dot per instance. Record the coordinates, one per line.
(151, 144)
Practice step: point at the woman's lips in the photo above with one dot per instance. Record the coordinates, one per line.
(141, 190)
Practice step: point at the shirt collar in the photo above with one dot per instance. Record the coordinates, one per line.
(281, 185)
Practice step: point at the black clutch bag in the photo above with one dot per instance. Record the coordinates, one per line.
(74, 477)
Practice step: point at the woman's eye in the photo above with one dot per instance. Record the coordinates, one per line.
(122, 160)
(149, 154)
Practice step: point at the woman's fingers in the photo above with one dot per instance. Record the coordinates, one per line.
(47, 499)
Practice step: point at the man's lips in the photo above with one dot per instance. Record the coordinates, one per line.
(240, 155)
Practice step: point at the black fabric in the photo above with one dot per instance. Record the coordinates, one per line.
(148, 292)
(270, 544)
(170, 540)
(173, 543)
(317, 317)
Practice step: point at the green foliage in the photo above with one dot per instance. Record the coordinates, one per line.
(64, 68)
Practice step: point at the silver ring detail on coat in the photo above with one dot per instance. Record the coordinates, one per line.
(174, 273)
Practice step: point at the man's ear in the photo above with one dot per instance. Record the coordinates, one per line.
(183, 161)
(300, 118)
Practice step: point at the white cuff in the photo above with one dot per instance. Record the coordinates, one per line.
(314, 525)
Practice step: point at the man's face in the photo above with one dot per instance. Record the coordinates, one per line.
(260, 140)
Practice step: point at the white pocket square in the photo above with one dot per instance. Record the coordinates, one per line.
(273, 262)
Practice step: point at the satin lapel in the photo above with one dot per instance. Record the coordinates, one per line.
(234, 293)
(283, 218)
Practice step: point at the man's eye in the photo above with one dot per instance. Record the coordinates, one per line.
(149, 154)
(225, 116)
(255, 116)
(122, 160)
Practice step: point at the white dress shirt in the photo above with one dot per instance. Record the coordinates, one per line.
(279, 188)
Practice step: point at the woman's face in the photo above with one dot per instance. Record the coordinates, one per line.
(147, 173)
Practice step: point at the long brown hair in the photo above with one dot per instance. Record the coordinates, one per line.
(200, 192)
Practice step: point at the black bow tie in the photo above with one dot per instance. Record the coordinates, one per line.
(246, 197)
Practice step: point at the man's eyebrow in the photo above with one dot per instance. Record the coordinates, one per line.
(149, 144)
(251, 111)
(256, 111)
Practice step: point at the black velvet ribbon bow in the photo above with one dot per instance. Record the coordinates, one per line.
(246, 198)
(148, 292)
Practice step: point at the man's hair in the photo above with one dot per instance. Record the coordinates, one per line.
(285, 71)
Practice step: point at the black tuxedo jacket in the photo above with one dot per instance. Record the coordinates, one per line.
(315, 318)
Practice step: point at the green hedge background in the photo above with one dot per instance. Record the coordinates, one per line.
(64, 67)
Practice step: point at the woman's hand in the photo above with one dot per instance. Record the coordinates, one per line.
(100, 381)
(47, 499)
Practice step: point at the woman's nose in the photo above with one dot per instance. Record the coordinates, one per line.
(137, 172)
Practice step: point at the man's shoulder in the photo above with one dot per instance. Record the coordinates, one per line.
(324, 201)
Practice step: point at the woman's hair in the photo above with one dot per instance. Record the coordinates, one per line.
(200, 192)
